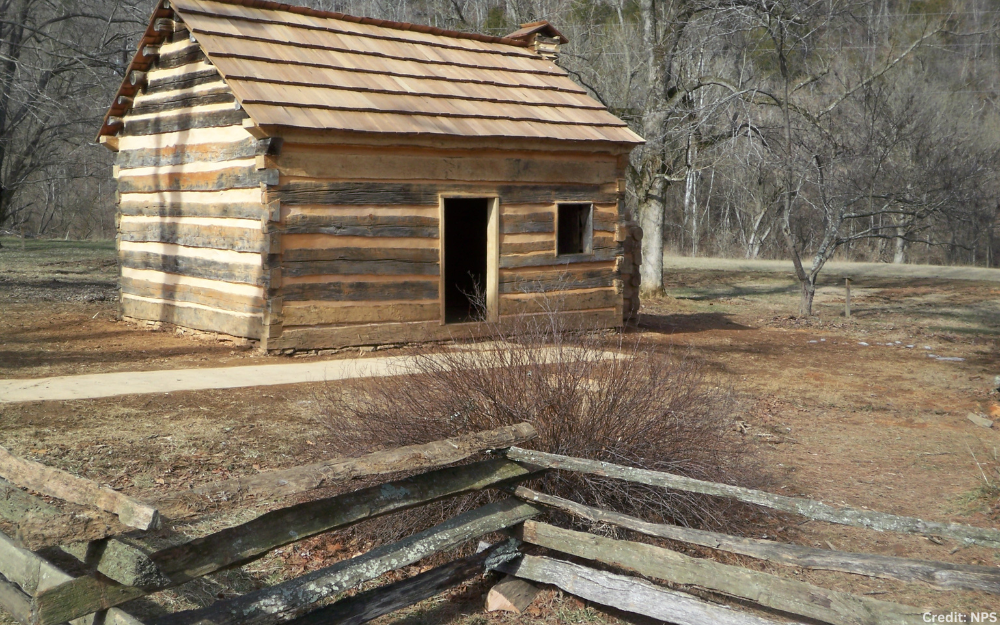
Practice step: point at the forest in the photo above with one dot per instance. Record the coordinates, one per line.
(794, 129)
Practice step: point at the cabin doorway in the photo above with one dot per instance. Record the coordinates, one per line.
(469, 280)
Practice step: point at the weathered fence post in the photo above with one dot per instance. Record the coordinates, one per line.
(847, 298)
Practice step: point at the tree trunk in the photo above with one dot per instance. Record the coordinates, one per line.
(691, 200)
(900, 255)
(808, 293)
(652, 207)
(651, 270)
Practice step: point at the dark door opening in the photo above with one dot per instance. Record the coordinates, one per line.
(466, 222)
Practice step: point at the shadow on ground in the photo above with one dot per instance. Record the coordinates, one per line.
(688, 323)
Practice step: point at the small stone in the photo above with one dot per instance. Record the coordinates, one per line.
(979, 420)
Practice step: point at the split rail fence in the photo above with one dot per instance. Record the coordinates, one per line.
(119, 563)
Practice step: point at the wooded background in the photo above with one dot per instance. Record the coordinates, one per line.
(775, 128)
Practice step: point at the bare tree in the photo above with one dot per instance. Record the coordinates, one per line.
(57, 65)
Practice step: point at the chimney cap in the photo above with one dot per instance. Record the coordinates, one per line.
(541, 27)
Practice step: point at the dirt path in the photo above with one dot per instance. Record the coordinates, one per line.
(97, 385)
(842, 270)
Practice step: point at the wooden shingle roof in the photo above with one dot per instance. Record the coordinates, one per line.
(308, 69)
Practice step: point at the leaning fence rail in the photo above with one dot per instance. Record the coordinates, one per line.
(121, 568)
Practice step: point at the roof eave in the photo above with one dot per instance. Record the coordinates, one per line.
(276, 130)
(139, 62)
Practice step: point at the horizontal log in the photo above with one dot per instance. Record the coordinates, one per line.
(248, 541)
(165, 25)
(193, 294)
(376, 194)
(361, 291)
(416, 332)
(308, 477)
(604, 221)
(14, 601)
(360, 268)
(524, 223)
(526, 247)
(603, 242)
(179, 35)
(29, 573)
(192, 235)
(183, 101)
(354, 194)
(415, 255)
(785, 595)
(511, 595)
(247, 177)
(235, 210)
(558, 280)
(629, 594)
(944, 575)
(74, 489)
(346, 165)
(277, 603)
(403, 226)
(546, 194)
(391, 312)
(559, 301)
(183, 56)
(137, 78)
(40, 524)
(808, 508)
(175, 123)
(184, 81)
(369, 605)
(25, 569)
(192, 266)
(185, 154)
(123, 559)
(206, 319)
(545, 260)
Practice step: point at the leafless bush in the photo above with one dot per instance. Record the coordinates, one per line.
(594, 395)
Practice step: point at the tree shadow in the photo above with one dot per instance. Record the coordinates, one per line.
(679, 323)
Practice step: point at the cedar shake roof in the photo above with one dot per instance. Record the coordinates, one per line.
(302, 68)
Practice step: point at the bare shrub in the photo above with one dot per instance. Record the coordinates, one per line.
(601, 396)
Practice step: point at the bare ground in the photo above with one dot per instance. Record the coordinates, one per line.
(868, 425)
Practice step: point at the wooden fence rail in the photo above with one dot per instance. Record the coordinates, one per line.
(23, 573)
(38, 593)
(285, 600)
(785, 595)
(944, 575)
(630, 594)
(808, 508)
(74, 489)
(286, 482)
(124, 568)
(244, 542)
(370, 605)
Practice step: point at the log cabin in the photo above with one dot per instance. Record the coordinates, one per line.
(313, 180)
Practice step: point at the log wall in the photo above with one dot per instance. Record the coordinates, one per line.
(358, 239)
(191, 222)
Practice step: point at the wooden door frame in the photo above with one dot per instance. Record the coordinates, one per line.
(492, 253)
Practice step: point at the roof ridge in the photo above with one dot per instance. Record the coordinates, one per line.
(371, 21)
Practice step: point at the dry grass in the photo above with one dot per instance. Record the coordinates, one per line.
(597, 396)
